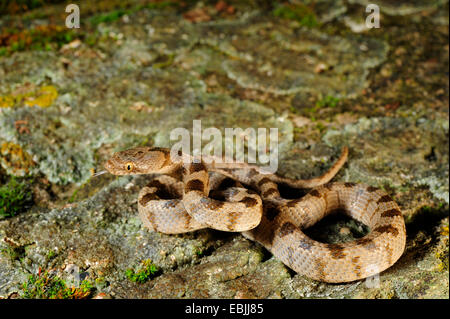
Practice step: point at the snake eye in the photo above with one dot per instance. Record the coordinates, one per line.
(129, 166)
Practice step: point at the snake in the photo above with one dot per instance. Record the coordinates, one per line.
(191, 194)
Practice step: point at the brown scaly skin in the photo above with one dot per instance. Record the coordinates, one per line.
(172, 206)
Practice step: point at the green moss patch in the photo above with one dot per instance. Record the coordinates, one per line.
(301, 13)
(327, 101)
(143, 273)
(15, 197)
(47, 286)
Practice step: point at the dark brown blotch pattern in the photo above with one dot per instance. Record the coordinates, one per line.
(215, 204)
(226, 183)
(315, 193)
(269, 192)
(148, 197)
(249, 201)
(384, 199)
(177, 172)
(196, 167)
(156, 183)
(162, 190)
(195, 185)
(336, 251)
(391, 213)
(386, 229)
(271, 211)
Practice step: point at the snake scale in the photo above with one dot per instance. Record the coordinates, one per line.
(190, 195)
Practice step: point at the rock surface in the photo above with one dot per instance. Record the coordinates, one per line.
(129, 76)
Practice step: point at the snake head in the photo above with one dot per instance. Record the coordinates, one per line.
(139, 160)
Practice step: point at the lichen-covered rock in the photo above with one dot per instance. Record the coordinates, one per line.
(133, 74)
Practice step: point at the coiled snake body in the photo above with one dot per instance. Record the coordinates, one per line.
(187, 198)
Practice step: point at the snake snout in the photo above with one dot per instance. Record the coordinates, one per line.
(109, 167)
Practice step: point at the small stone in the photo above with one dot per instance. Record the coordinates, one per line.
(102, 295)
(71, 45)
(321, 67)
(300, 121)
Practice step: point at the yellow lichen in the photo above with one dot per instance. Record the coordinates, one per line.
(444, 230)
(7, 101)
(441, 251)
(15, 159)
(443, 258)
(30, 95)
(44, 97)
